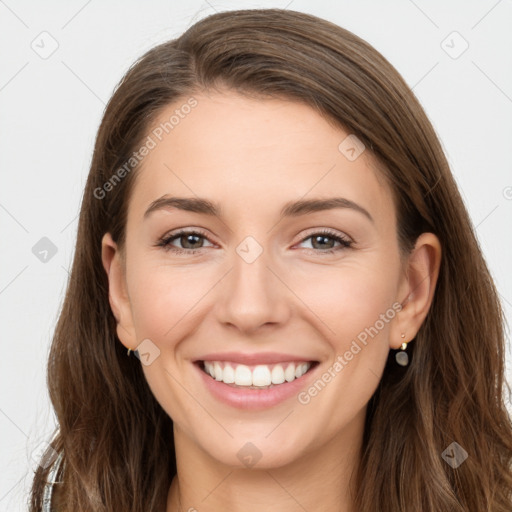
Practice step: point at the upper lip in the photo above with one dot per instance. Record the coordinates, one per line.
(254, 359)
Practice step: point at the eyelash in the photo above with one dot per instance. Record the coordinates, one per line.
(165, 242)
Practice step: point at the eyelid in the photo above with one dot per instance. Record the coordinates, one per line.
(165, 240)
(327, 231)
(187, 230)
(341, 238)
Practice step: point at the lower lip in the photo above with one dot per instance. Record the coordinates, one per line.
(243, 398)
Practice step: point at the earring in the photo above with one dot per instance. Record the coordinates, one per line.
(129, 350)
(401, 357)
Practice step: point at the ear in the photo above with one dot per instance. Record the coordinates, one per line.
(113, 264)
(416, 289)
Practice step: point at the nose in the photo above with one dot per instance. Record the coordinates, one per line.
(253, 295)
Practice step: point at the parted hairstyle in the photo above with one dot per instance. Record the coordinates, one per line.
(117, 441)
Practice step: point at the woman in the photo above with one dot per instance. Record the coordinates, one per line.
(271, 227)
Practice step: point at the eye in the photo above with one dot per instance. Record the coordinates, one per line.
(326, 240)
(191, 241)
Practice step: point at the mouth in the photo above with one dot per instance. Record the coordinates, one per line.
(256, 381)
(256, 376)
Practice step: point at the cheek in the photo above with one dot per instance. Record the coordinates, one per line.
(166, 302)
(165, 298)
(349, 299)
(354, 305)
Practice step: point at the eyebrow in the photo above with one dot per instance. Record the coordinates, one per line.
(290, 209)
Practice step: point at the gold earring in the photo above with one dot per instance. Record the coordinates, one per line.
(401, 357)
(129, 350)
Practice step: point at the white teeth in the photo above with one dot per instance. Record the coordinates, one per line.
(277, 374)
(229, 374)
(243, 375)
(217, 370)
(300, 370)
(259, 376)
(289, 373)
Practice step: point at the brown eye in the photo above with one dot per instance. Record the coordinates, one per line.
(322, 242)
(328, 242)
(189, 242)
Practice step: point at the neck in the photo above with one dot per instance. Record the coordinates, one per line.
(322, 479)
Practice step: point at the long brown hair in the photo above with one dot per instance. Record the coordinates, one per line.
(116, 439)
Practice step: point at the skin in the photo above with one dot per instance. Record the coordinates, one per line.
(251, 157)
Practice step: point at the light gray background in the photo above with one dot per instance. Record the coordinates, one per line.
(51, 108)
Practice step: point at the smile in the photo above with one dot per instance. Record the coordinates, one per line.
(261, 376)
(255, 381)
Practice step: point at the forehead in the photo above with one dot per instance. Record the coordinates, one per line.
(245, 153)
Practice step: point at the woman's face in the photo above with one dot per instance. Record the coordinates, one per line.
(280, 256)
